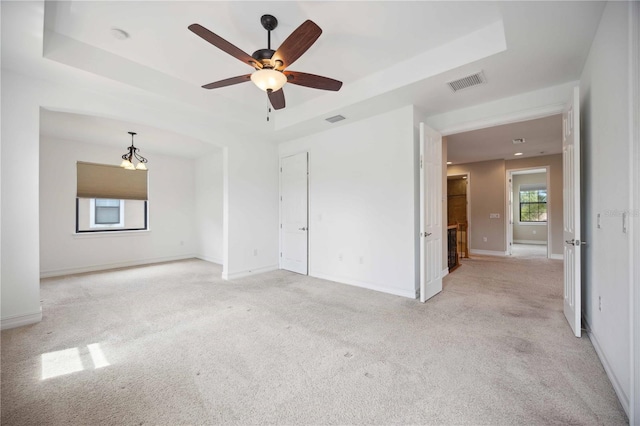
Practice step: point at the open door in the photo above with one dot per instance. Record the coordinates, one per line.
(510, 214)
(571, 214)
(430, 213)
(293, 213)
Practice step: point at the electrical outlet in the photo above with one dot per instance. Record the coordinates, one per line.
(361, 260)
(484, 239)
(255, 252)
(340, 257)
(181, 242)
(534, 232)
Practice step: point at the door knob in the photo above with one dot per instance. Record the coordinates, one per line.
(570, 242)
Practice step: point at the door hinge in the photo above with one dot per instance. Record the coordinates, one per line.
(280, 169)
(280, 226)
(280, 198)
(421, 161)
(280, 254)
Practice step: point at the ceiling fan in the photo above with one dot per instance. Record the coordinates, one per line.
(270, 74)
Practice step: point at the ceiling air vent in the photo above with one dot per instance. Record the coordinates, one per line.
(468, 81)
(335, 118)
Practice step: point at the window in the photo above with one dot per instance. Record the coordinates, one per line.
(110, 198)
(107, 214)
(107, 211)
(533, 205)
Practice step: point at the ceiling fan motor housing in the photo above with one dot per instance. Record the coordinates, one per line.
(263, 55)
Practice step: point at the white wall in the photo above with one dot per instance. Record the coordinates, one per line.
(606, 182)
(251, 208)
(171, 204)
(208, 208)
(361, 202)
(20, 263)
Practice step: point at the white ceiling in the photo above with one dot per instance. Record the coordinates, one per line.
(543, 136)
(105, 131)
(387, 53)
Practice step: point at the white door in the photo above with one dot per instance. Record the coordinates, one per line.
(571, 213)
(293, 213)
(430, 213)
(510, 214)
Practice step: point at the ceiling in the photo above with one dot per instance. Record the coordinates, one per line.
(388, 54)
(105, 131)
(542, 136)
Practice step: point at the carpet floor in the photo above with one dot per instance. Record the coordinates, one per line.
(173, 344)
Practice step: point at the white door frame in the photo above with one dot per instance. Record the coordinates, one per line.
(634, 110)
(280, 208)
(509, 226)
(468, 197)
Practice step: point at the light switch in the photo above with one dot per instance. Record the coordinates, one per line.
(494, 215)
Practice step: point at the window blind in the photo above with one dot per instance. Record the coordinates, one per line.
(108, 181)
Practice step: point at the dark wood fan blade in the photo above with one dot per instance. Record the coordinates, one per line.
(277, 99)
(228, 82)
(313, 81)
(296, 44)
(224, 45)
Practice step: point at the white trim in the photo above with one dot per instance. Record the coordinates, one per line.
(217, 260)
(634, 159)
(556, 256)
(509, 226)
(411, 294)
(106, 266)
(535, 242)
(488, 252)
(467, 198)
(444, 272)
(103, 234)
(20, 320)
(514, 117)
(248, 272)
(281, 157)
(607, 368)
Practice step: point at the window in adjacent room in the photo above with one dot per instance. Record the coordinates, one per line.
(110, 198)
(533, 205)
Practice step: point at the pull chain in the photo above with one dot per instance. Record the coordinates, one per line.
(268, 109)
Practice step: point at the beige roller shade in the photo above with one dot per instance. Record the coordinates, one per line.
(107, 181)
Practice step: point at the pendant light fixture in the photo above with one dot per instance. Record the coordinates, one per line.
(127, 159)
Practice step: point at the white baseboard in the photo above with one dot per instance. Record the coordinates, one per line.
(411, 294)
(624, 399)
(444, 272)
(488, 252)
(556, 256)
(249, 272)
(210, 259)
(536, 242)
(106, 266)
(20, 320)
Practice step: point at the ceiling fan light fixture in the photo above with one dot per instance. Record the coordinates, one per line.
(268, 79)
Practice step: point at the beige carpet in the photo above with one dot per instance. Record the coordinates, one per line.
(173, 344)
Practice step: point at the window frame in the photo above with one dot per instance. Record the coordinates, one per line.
(520, 203)
(108, 228)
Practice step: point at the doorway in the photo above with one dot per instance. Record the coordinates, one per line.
(294, 207)
(458, 212)
(528, 207)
